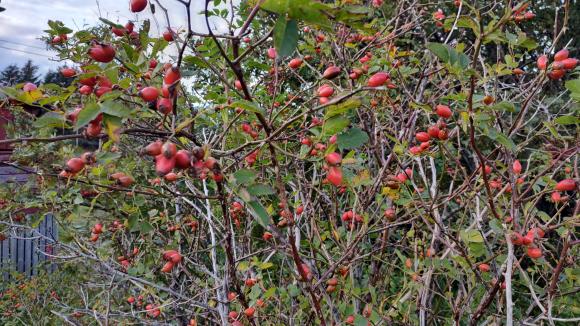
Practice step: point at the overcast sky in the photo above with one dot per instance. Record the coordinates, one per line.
(23, 23)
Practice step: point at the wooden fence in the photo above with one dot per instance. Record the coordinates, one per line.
(26, 251)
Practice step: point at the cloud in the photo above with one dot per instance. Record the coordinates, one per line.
(23, 23)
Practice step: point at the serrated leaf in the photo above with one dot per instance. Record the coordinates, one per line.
(112, 126)
(184, 125)
(471, 236)
(304, 10)
(248, 106)
(145, 227)
(567, 120)
(439, 50)
(87, 114)
(50, 120)
(343, 107)
(115, 108)
(195, 61)
(110, 23)
(503, 106)
(285, 36)
(245, 176)
(261, 213)
(334, 125)
(574, 87)
(352, 138)
(260, 189)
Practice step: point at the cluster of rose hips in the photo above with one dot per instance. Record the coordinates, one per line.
(126, 261)
(252, 157)
(122, 179)
(528, 240)
(95, 231)
(438, 16)
(284, 217)
(351, 218)
(332, 283)
(236, 211)
(77, 164)
(172, 258)
(562, 63)
(193, 224)
(151, 309)
(334, 175)
(562, 186)
(168, 158)
(59, 39)
(438, 131)
(519, 15)
(249, 312)
(249, 129)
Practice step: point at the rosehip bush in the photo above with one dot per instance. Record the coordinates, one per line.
(320, 163)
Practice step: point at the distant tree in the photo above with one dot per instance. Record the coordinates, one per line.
(10, 75)
(28, 73)
(55, 77)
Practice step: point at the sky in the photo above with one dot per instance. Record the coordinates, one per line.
(24, 21)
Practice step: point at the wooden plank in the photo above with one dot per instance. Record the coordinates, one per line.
(28, 254)
(9, 170)
(34, 258)
(42, 241)
(20, 255)
(5, 156)
(13, 253)
(18, 178)
(50, 233)
(5, 255)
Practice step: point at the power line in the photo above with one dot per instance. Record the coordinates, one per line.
(30, 46)
(24, 51)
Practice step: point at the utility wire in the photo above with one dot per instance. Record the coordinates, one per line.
(30, 46)
(24, 51)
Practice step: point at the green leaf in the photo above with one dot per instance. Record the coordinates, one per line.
(567, 120)
(343, 107)
(87, 114)
(334, 125)
(499, 137)
(503, 106)
(360, 321)
(439, 50)
(468, 22)
(266, 265)
(248, 106)
(260, 189)
(261, 212)
(50, 120)
(115, 108)
(285, 36)
(194, 61)
(245, 176)
(352, 138)
(574, 87)
(304, 10)
(58, 27)
(449, 55)
(110, 23)
(293, 290)
(471, 236)
(112, 126)
(145, 227)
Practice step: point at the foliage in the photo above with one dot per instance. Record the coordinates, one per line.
(368, 205)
